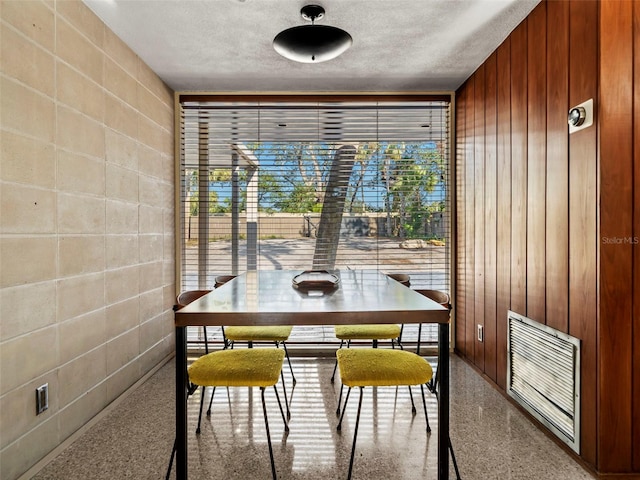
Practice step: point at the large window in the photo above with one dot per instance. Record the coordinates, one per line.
(314, 185)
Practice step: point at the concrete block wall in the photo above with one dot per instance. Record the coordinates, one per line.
(86, 223)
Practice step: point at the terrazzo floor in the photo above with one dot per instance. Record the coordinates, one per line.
(491, 438)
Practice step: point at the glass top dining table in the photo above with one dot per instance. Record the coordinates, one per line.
(272, 297)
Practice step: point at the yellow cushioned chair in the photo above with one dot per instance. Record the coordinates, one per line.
(276, 334)
(256, 367)
(373, 332)
(382, 368)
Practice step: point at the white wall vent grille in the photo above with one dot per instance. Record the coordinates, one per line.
(543, 375)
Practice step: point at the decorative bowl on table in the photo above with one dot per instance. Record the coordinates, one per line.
(315, 280)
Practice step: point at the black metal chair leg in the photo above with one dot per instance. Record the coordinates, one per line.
(200, 413)
(344, 409)
(355, 434)
(284, 389)
(286, 425)
(286, 354)
(173, 455)
(335, 366)
(453, 459)
(213, 392)
(424, 404)
(413, 405)
(266, 424)
(339, 400)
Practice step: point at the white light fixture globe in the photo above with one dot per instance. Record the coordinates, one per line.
(312, 43)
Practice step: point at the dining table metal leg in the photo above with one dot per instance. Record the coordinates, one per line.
(181, 403)
(443, 403)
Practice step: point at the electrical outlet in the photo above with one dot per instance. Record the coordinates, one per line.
(42, 398)
(480, 333)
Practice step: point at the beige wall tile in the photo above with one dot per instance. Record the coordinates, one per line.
(168, 196)
(169, 221)
(122, 217)
(150, 192)
(121, 183)
(78, 51)
(154, 108)
(42, 346)
(27, 308)
(169, 298)
(150, 80)
(150, 304)
(30, 448)
(80, 134)
(26, 111)
(122, 316)
(26, 160)
(121, 150)
(150, 162)
(122, 284)
(151, 332)
(82, 18)
(122, 379)
(18, 412)
(120, 52)
(168, 167)
(80, 174)
(80, 214)
(168, 143)
(82, 334)
(168, 267)
(33, 19)
(150, 276)
(122, 250)
(151, 248)
(27, 260)
(80, 295)
(26, 61)
(76, 414)
(25, 209)
(156, 354)
(80, 254)
(151, 134)
(79, 92)
(151, 220)
(122, 350)
(121, 117)
(81, 375)
(121, 83)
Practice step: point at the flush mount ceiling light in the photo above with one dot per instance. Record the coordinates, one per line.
(312, 43)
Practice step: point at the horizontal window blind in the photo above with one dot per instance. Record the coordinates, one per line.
(335, 185)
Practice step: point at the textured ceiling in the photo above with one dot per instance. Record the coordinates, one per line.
(398, 45)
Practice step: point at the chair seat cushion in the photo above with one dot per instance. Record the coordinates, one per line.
(367, 332)
(245, 367)
(374, 367)
(257, 334)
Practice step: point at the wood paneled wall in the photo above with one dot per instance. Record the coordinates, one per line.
(619, 239)
(541, 213)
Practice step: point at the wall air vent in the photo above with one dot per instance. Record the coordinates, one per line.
(543, 375)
